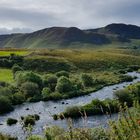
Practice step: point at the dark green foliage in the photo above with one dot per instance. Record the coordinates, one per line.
(64, 85)
(73, 111)
(135, 90)
(30, 89)
(8, 62)
(3, 84)
(5, 91)
(30, 119)
(37, 117)
(5, 105)
(45, 65)
(16, 68)
(11, 121)
(134, 67)
(62, 73)
(96, 107)
(126, 78)
(17, 98)
(23, 77)
(124, 96)
(87, 80)
(45, 93)
(50, 81)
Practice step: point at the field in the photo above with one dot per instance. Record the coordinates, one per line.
(7, 52)
(91, 59)
(6, 75)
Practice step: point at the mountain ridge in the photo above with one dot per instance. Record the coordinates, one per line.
(65, 36)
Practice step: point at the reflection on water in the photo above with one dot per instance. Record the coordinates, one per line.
(47, 109)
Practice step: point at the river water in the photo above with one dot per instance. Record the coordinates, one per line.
(47, 109)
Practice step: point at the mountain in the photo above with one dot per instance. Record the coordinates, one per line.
(52, 36)
(122, 30)
(63, 36)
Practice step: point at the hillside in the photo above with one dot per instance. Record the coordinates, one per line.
(62, 36)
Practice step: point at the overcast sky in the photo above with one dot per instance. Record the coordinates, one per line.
(31, 15)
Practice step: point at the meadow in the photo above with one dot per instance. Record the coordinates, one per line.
(6, 75)
(8, 51)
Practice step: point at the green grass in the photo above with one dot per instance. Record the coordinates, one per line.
(91, 59)
(17, 52)
(6, 75)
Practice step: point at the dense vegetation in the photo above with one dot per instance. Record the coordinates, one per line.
(108, 106)
(127, 127)
(60, 74)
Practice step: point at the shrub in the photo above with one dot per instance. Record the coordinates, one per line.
(99, 134)
(87, 80)
(124, 96)
(22, 77)
(30, 119)
(126, 78)
(135, 90)
(62, 73)
(16, 68)
(5, 91)
(30, 89)
(45, 93)
(5, 105)
(11, 121)
(37, 117)
(64, 85)
(17, 98)
(50, 81)
(73, 111)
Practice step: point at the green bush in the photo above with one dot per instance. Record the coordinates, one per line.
(135, 90)
(64, 85)
(22, 77)
(30, 119)
(5, 105)
(123, 96)
(30, 89)
(11, 121)
(50, 81)
(5, 91)
(62, 73)
(73, 111)
(87, 80)
(45, 93)
(16, 68)
(17, 98)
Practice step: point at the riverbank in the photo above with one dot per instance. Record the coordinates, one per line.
(47, 109)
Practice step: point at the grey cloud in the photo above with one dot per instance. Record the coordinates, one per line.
(37, 14)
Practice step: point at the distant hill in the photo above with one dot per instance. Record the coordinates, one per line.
(62, 36)
(122, 30)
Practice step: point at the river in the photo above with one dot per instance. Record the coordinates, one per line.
(47, 109)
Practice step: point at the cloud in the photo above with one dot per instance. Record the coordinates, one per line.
(14, 30)
(37, 14)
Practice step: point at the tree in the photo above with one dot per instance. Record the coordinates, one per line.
(16, 68)
(62, 73)
(50, 81)
(5, 105)
(87, 80)
(45, 92)
(23, 77)
(64, 85)
(30, 89)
